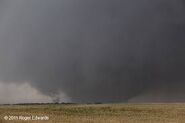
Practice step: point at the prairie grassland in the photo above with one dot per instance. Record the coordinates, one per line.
(102, 113)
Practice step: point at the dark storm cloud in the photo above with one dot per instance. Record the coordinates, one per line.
(93, 50)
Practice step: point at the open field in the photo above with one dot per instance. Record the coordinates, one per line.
(102, 113)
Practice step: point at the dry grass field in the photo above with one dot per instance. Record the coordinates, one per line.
(101, 113)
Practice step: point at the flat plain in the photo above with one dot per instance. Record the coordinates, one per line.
(95, 113)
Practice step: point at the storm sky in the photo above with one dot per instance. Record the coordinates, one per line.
(94, 50)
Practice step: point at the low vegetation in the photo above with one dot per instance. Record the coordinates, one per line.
(99, 113)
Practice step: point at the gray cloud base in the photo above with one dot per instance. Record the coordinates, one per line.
(93, 50)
